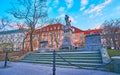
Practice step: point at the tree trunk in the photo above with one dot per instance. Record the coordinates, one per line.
(31, 44)
(23, 44)
(114, 43)
(113, 40)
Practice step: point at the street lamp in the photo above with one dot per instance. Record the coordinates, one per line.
(6, 55)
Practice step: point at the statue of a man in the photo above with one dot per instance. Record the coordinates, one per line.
(67, 20)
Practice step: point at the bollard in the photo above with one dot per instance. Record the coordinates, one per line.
(6, 58)
(54, 67)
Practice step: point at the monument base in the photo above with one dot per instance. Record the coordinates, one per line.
(43, 50)
(66, 47)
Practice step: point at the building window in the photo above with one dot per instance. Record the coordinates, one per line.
(54, 28)
(73, 30)
(73, 36)
(91, 33)
(40, 30)
(80, 41)
(62, 32)
(51, 28)
(81, 35)
(62, 37)
(47, 29)
(58, 27)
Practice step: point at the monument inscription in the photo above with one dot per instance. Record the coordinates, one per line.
(93, 42)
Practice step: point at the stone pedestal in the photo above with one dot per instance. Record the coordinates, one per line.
(66, 43)
(93, 42)
(43, 46)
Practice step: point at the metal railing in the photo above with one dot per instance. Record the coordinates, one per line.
(80, 67)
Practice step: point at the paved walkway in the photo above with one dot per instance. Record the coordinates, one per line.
(18, 68)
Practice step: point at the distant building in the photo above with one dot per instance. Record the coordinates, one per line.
(14, 37)
(54, 34)
(51, 34)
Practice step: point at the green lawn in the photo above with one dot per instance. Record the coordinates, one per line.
(113, 52)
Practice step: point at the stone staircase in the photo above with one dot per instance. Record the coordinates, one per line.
(76, 58)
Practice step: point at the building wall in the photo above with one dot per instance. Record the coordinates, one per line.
(51, 33)
(54, 35)
(14, 37)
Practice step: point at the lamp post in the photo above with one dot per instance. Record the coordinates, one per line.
(6, 56)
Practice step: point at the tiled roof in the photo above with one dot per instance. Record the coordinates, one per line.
(76, 30)
(9, 31)
(95, 31)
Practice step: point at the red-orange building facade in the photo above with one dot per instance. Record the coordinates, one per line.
(54, 35)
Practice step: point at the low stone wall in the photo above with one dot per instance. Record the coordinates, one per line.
(116, 63)
(105, 56)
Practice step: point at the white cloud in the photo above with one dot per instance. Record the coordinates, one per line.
(62, 16)
(69, 3)
(72, 20)
(82, 8)
(98, 26)
(96, 10)
(61, 9)
(107, 2)
(118, 8)
(83, 4)
(55, 3)
(49, 9)
(48, 2)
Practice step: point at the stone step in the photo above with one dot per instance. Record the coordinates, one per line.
(81, 52)
(70, 60)
(65, 63)
(83, 58)
(66, 55)
(77, 58)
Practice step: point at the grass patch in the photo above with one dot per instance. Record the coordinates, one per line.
(2, 55)
(113, 52)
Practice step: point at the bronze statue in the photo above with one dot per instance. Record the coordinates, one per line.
(67, 20)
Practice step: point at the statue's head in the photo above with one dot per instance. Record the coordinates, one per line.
(67, 16)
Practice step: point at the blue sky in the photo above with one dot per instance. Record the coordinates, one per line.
(85, 14)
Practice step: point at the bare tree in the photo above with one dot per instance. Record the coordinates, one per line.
(55, 21)
(31, 11)
(47, 21)
(111, 33)
(23, 29)
(4, 21)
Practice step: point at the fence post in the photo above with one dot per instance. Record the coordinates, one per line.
(54, 59)
(6, 57)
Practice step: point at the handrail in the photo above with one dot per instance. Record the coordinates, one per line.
(80, 67)
(67, 61)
